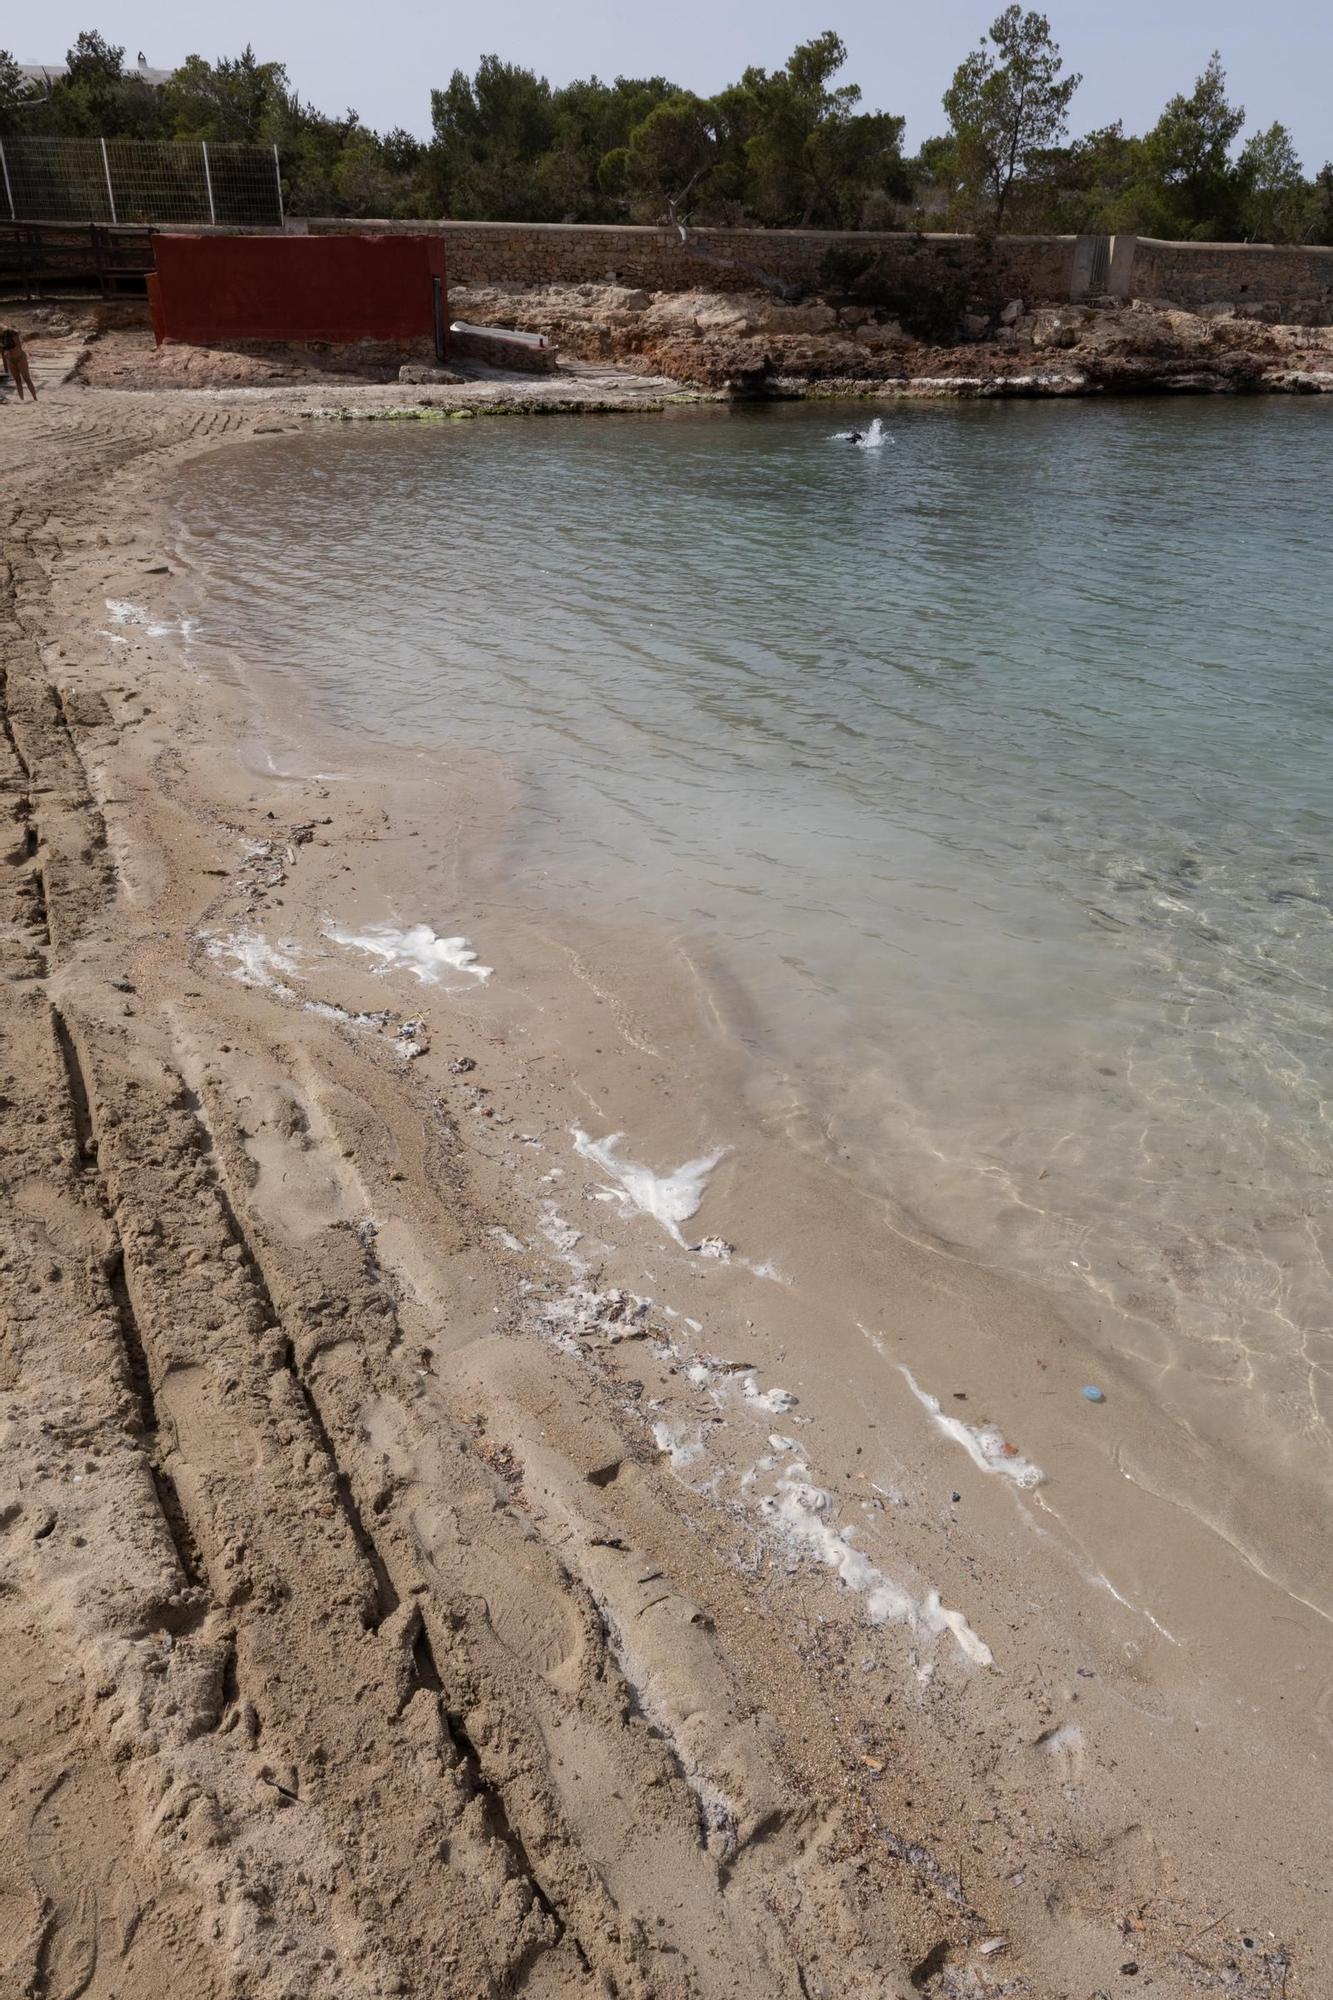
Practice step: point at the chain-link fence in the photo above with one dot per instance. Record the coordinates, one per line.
(140, 181)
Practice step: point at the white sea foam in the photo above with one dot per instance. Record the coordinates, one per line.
(866, 440)
(417, 949)
(776, 1401)
(125, 613)
(561, 1235)
(326, 1010)
(681, 1443)
(766, 1270)
(668, 1198)
(985, 1444)
(254, 961)
(1104, 1583)
(805, 1515)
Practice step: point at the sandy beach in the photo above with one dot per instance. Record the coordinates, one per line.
(487, 1506)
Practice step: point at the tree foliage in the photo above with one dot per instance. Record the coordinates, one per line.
(787, 147)
(1188, 156)
(1184, 177)
(1275, 200)
(790, 147)
(1007, 105)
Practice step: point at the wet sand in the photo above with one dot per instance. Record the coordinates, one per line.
(452, 1550)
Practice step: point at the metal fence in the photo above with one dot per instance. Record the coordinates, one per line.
(140, 180)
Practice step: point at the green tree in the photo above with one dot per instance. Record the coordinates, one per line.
(93, 61)
(491, 131)
(1318, 226)
(669, 154)
(16, 95)
(1007, 105)
(1101, 182)
(593, 122)
(98, 97)
(1276, 201)
(233, 101)
(810, 156)
(1188, 154)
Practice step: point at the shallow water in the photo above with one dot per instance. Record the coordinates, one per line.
(994, 764)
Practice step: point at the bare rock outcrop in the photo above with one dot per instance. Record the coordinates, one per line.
(751, 343)
(717, 340)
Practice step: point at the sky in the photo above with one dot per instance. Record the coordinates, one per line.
(383, 57)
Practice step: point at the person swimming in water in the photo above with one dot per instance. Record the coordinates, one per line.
(868, 440)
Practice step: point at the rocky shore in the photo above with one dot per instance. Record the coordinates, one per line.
(751, 343)
(616, 343)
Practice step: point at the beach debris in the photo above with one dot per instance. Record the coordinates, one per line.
(714, 1246)
(989, 1946)
(1092, 1394)
(462, 1066)
(583, 1314)
(412, 1040)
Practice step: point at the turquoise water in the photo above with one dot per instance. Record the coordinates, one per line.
(994, 765)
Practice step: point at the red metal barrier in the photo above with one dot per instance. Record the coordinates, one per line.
(216, 288)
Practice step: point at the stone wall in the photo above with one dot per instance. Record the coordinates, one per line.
(537, 253)
(1294, 282)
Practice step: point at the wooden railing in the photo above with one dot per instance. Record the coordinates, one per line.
(35, 256)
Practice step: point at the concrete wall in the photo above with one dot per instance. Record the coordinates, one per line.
(295, 288)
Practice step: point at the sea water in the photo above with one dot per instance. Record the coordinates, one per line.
(993, 763)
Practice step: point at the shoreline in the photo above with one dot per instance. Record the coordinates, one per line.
(599, 1458)
(625, 348)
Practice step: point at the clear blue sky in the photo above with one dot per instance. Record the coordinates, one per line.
(383, 55)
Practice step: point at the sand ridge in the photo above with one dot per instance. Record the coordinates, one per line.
(422, 1573)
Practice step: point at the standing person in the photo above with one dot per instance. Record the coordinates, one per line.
(16, 360)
